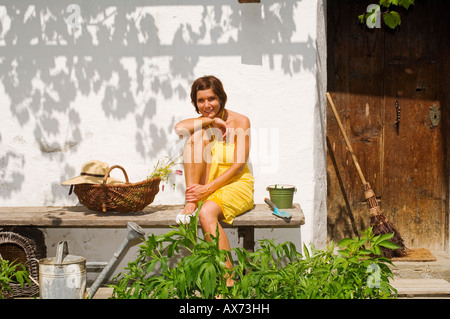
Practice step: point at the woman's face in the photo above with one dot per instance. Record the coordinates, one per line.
(208, 103)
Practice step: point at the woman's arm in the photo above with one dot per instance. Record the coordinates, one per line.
(189, 126)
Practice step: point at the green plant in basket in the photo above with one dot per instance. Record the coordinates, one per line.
(11, 272)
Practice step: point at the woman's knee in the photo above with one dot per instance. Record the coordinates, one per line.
(209, 214)
(205, 218)
(195, 146)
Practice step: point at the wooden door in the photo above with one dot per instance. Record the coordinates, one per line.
(372, 74)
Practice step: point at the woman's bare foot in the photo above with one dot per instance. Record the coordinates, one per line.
(184, 217)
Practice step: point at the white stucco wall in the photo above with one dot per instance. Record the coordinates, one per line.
(113, 88)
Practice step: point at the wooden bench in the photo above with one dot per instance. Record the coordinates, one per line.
(153, 216)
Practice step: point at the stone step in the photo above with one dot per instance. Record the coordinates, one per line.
(423, 279)
(438, 288)
(438, 269)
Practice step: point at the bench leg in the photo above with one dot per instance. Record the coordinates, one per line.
(247, 233)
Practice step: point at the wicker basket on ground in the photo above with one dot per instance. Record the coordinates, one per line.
(25, 251)
(123, 198)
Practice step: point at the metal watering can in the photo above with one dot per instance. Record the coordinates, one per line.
(64, 276)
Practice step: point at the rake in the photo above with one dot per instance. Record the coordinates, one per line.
(381, 225)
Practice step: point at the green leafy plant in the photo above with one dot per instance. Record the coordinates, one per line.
(202, 273)
(391, 18)
(11, 272)
(355, 270)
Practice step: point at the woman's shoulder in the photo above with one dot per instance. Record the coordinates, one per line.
(239, 118)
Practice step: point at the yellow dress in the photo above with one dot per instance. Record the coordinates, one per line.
(237, 196)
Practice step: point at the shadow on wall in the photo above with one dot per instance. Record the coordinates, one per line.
(52, 53)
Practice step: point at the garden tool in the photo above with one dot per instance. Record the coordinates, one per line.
(276, 211)
(381, 225)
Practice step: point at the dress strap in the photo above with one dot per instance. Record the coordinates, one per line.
(212, 134)
(209, 126)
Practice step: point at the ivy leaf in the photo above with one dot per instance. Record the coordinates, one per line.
(392, 19)
(406, 3)
(361, 18)
(385, 3)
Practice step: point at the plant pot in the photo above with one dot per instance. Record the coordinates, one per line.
(282, 195)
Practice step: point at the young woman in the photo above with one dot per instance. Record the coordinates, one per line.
(215, 160)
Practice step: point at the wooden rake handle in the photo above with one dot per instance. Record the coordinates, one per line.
(347, 142)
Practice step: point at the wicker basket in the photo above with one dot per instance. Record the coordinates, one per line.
(123, 198)
(32, 255)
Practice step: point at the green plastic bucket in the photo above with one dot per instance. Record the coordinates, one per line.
(282, 195)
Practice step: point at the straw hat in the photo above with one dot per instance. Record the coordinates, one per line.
(92, 172)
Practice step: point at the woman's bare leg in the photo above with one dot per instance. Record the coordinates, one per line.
(209, 217)
(197, 162)
(196, 165)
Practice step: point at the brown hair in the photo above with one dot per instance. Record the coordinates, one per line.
(208, 82)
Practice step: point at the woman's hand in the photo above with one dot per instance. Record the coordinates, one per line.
(221, 125)
(197, 192)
